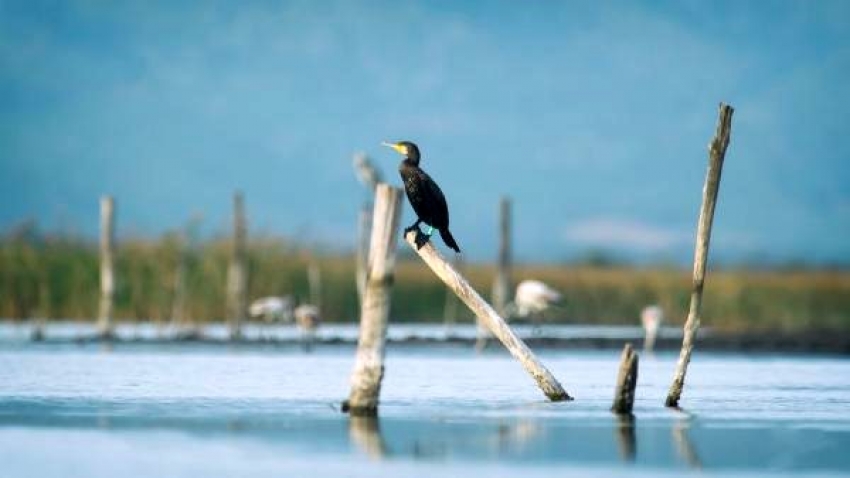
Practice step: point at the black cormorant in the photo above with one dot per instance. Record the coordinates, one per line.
(424, 195)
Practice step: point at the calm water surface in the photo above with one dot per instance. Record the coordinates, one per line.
(195, 410)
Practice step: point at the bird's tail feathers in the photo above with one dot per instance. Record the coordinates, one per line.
(449, 240)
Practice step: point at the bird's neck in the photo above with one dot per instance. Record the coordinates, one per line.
(410, 162)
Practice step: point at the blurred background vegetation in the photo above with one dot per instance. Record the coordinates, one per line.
(56, 277)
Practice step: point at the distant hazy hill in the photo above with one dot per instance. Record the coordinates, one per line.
(594, 118)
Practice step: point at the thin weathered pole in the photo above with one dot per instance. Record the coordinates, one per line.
(452, 278)
(716, 154)
(375, 311)
(237, 274)
(364, 227)
(37, 334)
(624, 393)
(314, 282)
(501, 284)
(107, 266)
(178, 299)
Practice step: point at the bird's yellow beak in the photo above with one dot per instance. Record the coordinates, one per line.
(401, 149)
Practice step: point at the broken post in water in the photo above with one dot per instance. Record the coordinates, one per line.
(441, 267)
(375, 310)
(624, 393)
(237, 276)
(716, 154)
(107, 266)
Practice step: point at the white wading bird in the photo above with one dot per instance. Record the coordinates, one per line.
(532, 298)
(307, 318)
(272, 309)
(651, 317)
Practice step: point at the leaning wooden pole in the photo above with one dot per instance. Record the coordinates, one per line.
(497, 325)
(107, 266)
(375, 310)
(716, 154)
(237, 274)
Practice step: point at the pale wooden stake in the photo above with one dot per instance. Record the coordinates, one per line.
(178, 299)
(441, 267)
(237, 276)
(716, 154)
(374, 313)
(501, 284)
(624, 393)
(37, 333)
(314, 282)
(107, 266)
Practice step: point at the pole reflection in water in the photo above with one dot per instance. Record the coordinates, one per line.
(684, 446)
(516, 436)
(365, 434)
(624, 431)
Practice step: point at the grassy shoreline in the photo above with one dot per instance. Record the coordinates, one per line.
(58, 277)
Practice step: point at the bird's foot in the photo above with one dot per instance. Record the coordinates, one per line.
(421, 239)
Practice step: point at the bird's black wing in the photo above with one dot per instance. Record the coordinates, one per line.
(433, 196)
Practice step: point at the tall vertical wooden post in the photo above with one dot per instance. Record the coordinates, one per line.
(237, 274)
(374, 313)
(107, 266)
(178, 299)
(716, 154)
(314, 282)
(501, 283)
(37, 333)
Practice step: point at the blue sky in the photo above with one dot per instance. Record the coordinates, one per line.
(594, 117)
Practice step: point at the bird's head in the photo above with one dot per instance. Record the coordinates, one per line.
(406, 149)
